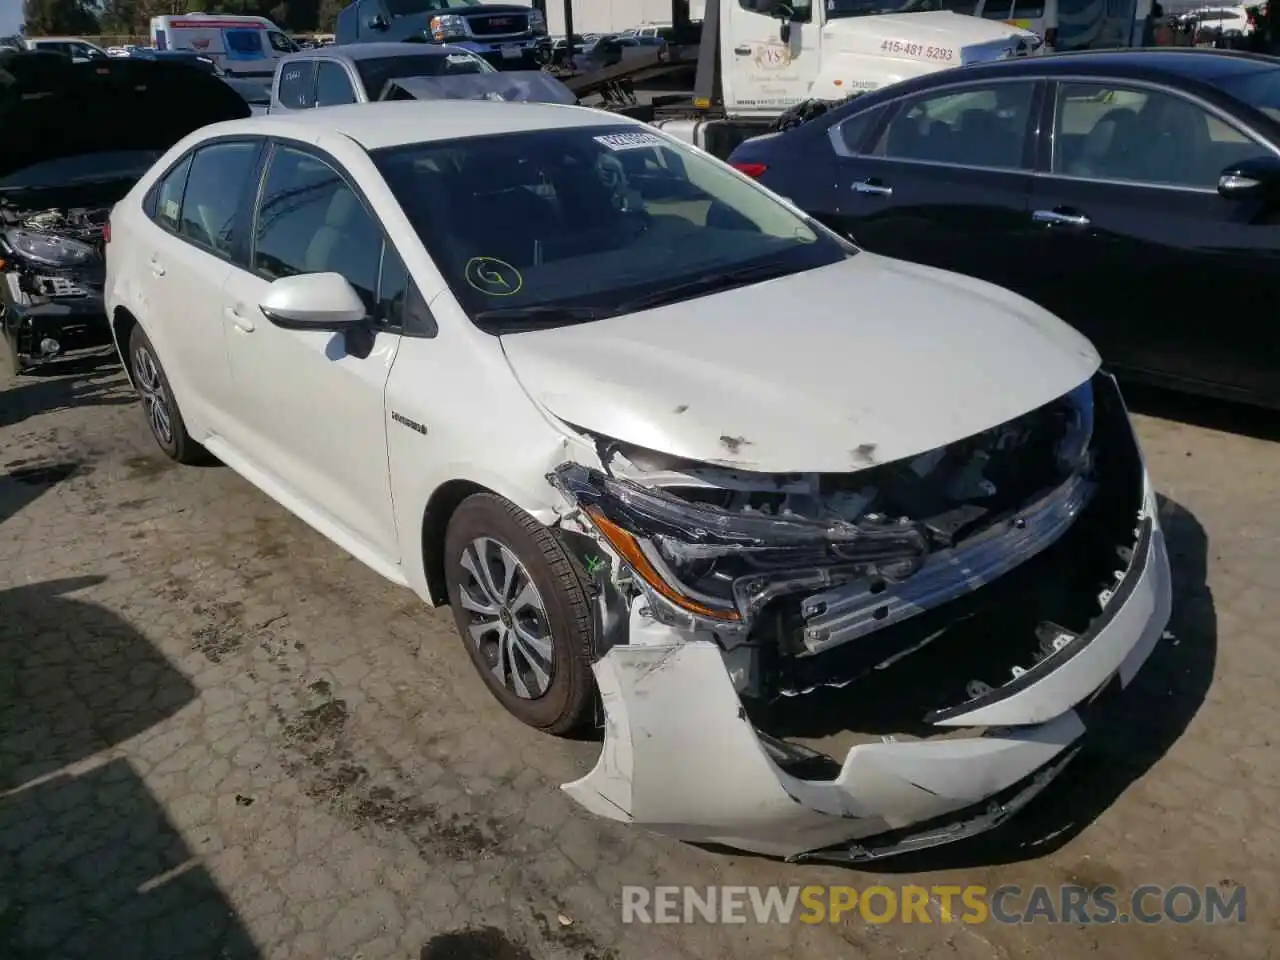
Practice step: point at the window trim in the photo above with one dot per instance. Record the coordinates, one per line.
(1032, 134)
(1052, 103)
(837, 138)
(275, 143)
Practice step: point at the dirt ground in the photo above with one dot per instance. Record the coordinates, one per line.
(222, 737)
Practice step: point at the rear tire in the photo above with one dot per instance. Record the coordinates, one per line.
(163, 416)
(523, 613)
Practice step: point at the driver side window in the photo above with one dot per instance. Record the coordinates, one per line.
(798, 11)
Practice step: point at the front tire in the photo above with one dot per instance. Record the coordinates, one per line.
(163, 416)
(522, 612)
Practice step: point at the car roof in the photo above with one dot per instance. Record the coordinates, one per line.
(393, 124)
(374, 51)
(1151, 63)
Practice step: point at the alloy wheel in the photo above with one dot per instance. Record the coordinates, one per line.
(509, 622)
(146, 373)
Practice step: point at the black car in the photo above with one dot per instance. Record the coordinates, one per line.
(1136, 194)
(75, 138)
(185, 57)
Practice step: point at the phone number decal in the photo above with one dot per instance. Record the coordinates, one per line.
(918, 50)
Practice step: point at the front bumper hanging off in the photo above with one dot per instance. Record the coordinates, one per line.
(682, 757)
(41, 331)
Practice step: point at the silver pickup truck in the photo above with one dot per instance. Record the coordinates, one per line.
(366, 72)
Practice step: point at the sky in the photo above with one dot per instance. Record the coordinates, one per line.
(10, 17)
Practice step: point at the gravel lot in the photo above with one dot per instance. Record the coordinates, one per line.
(222, 737)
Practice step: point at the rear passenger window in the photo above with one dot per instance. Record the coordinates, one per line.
(220, 174)
(311, 221)
(168, 206)
(980, 126)
(295, 91)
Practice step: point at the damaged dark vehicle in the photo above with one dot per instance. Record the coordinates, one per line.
(76, 139)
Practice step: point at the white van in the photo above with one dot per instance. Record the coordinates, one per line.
(243, 46)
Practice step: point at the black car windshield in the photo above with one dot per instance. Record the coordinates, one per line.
(407, 8)
(591, 221)
(376, 71)
(84, 168)
(842, 9)
(1259, 88)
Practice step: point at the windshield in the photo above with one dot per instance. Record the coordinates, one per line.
(841, 9)
(407, 8)
(86, 168)
(593, 218)
(375, 73)
(1259, 89)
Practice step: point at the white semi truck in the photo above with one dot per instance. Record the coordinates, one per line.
(758, 59)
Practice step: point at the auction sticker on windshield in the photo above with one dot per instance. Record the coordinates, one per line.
(629, 141)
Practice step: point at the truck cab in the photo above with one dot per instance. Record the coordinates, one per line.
(506, 35)
(777, 54)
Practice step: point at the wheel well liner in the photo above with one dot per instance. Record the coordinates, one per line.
(435, 521)
(122, 324)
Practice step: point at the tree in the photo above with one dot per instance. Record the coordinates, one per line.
(56, 17)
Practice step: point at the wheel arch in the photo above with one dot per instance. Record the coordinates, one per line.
(122, 326)
(442, 503)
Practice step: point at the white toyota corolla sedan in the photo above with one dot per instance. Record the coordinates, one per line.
(841, 553)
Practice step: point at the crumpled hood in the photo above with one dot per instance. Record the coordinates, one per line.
(51, 107)
(869, 360)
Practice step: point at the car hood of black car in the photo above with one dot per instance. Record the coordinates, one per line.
(52, 108)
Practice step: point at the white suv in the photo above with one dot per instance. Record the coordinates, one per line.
(656, 435)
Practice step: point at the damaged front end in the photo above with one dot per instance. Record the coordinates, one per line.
(52, 271)
(849, 666)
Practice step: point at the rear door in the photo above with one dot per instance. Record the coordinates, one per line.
(295, 86)
(945, 181)
(1142, 255)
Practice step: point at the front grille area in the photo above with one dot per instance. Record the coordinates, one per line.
(499, 25)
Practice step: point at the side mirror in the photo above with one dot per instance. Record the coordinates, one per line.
(379, 22)
(313, 301)
(1255, 179)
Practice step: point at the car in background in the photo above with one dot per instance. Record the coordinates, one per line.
(186, 58)
(77, 48)
(76, 138)
(359, 73)
(668, 447)
(256, 92)
(1135, 194)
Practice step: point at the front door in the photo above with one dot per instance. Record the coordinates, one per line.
(945, 182)
(1167, 278)
(763, 73)
(311, 403)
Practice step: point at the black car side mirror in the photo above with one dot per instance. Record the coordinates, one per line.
(379, 22)
(1255, 179)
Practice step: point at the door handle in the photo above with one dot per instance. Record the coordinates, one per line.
(1064, 218)
(742, 50)
(239, 319)
(873, 187)
(157, 267)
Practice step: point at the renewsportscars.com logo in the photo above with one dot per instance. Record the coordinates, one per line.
(973, 904)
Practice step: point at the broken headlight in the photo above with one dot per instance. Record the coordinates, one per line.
(50, 249)
(693, 554)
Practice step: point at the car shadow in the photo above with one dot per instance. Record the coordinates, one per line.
(1220, 415)
(24, 481)
(90, 865)
(1140, 728)
(80, 382)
